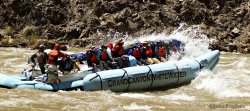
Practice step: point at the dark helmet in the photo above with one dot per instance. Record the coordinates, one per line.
(41, 47)
(104, 47)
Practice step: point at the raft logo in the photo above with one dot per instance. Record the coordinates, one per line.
(145, 78)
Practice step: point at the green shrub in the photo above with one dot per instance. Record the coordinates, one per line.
(6, 29)
(32, 39)
(28, 31)
(5, 41)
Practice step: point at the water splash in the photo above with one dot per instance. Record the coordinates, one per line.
(134, 106)
(135, 95)
(223, 82)
(196, 42)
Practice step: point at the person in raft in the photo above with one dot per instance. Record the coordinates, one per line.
(53, 62)
(41, 58)
(118, 52)
(104, 58)
(92, 58)
(148, 54)
(161, 52)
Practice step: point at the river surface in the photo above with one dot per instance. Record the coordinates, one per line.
(227, 87)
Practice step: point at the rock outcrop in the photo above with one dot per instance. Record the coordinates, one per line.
(77, 21)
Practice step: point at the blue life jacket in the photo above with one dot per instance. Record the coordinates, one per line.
(130, 51)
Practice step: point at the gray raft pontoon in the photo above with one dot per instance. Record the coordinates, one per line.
(126, 79)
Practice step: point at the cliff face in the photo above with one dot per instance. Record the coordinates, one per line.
(76, 21)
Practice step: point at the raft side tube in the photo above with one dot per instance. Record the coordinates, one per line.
(33, 85)
(27, 86)
(187, 70)
(209, 60)
(8, 81)
(215, 63)
(163, 74)
(78, 83)
(92, 82)
(44, 86)
(101, 80)
(139, 77)
(116, 80)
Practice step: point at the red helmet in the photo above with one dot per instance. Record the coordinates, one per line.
(110, 45)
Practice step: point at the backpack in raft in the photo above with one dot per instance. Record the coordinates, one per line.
(125, 60)
(69, 64)
(81, 56)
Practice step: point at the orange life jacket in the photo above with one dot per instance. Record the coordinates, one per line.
(93, 58)
(53, 56)
(149, 51)
(104, 55)
(162, 52)
(136, 53)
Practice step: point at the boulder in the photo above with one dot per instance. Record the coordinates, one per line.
(1, 36)
(153, 6)
(232, 47)
(235, 32)
(72, 33)
(84, 33)
(79, 42)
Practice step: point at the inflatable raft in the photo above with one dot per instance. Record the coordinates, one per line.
(126, 79)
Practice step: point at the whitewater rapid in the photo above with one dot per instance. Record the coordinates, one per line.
(227, 85)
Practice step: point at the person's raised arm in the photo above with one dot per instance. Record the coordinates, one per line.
(32, 58)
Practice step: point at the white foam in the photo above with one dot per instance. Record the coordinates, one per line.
(175, 97)
(134, 106)
(241, 62)
(223, 83)
(136, 95)
(246, 71)
(247, 107)
(196, 42)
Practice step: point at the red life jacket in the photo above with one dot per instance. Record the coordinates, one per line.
(121, 51)
(162, 52)
(93, 58)
(104, 55)
(136, 53)
(118, 51)
(149, 51)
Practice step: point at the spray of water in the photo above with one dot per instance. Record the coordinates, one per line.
(225, 82)
(196, 42)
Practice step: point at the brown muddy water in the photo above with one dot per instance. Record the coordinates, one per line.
(227, 87)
